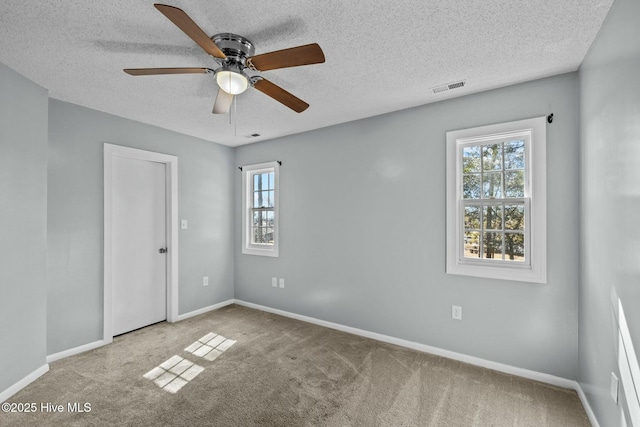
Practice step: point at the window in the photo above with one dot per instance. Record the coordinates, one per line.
(260, 209)
(496, 207)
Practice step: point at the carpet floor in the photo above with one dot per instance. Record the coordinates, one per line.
(269, 370)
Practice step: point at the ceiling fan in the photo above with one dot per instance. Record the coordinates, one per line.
(234, 55)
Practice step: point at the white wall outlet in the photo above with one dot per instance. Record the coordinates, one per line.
(282, 283)
(456, 312)
(205, 281)
(274, 282)
(183, 224)
(614, 387)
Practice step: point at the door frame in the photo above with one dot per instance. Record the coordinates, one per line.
(171, 164)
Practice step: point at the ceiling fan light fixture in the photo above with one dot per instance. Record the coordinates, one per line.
(232, 82)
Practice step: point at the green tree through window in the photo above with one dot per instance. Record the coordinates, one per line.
(493, 197)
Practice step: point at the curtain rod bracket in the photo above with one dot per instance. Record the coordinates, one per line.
(550, 118)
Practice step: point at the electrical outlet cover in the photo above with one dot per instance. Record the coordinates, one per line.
(456, 312)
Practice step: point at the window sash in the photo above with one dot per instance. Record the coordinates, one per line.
(503, 231)
(269, 227)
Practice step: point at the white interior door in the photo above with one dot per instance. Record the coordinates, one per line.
(139, 230)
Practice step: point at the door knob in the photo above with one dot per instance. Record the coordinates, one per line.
(163, 250)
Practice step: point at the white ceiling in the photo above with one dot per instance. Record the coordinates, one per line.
(381, 56)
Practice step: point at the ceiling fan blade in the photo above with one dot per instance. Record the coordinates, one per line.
(292, 57)
(156, 71)
(280, 95)
(190, 28)
(223, 102)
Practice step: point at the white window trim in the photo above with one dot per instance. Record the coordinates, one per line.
(536, 271)
(248, 247)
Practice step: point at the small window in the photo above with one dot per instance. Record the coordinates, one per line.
(496, 208)
(260, 209)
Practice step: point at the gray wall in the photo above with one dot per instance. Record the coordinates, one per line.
(363, 232)
(23, 226)
(610, 132)
(75, 218)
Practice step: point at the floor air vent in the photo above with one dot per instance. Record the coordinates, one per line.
(449, 86)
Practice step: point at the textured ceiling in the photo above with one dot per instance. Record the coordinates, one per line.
(381, 56)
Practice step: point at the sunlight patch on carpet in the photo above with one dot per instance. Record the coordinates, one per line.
(174, 373)
(210, 346)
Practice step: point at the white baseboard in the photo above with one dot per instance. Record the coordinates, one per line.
(76, 350)
(6, 394)
(205, 309)
(587, 407)
(525, 373)
(521, 372)
(96, 344)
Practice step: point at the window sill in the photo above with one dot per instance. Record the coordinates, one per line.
(270, 252)
(516, 273)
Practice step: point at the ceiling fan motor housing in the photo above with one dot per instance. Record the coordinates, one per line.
(235, 47)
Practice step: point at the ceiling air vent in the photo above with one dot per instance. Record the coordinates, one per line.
(449, 86)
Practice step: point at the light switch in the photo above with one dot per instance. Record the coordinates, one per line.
(183, 224)
(614, 387)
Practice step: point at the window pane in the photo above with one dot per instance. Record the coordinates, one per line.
(492, 245)
(471, 186)
(263, 182)
(514, 217)
(492, 157)
(514, 246)
(492, 217)
(262, 235)
(265, 197)
(257, 219)
(492, 185)
(471, 244)
(514, 154)
(471, 159)
(258, 235)
(472, 217)
(514, 183)
(268, 236)
(269, 218)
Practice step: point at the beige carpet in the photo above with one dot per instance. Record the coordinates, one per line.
(283, 372)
